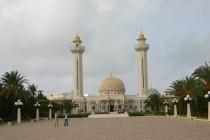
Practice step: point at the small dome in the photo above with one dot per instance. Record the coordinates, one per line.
(111, 85)
(153, 91)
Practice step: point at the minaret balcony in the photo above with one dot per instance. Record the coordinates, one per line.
(142, 47)
(77, 49)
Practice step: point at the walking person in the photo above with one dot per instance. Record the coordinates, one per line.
(56, 120)
(66, 120)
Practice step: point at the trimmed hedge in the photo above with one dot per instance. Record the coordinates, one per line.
(160, 113)
(135, 113)
(101, 112)
(80, 115)
(44, 114)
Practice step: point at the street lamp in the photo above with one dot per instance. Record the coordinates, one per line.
(37, 105)
(207, 96)
(175, 101)
(166, 106)
(50, 111)
(188, 99)
(18, 103)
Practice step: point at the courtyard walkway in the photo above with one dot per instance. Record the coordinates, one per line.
(134, 128)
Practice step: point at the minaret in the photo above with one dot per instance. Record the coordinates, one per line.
(141, 47)
(77, 51)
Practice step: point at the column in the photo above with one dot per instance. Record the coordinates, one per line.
(50, 114)
(188, 111)
(37, 114)
(19, 115)
(175, 110)
(208, 110)
(166, 109)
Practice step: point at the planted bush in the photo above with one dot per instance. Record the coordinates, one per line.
(80, 115)
(160, 113)
(135, 113)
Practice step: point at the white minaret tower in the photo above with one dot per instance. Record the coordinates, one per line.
(141, 47)
(77, 51)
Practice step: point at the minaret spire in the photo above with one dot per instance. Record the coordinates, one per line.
(141, 48)
(77, 51)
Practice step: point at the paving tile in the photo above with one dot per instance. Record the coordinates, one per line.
(133, 128)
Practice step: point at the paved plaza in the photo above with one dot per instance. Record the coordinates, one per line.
(134, 128)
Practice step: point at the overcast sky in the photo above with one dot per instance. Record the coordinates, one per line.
(36, 35)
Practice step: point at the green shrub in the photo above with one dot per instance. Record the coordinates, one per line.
(44, 114)
(160, 113)
(1, 121)
(80, 115)
(101, 112)
(135, 113)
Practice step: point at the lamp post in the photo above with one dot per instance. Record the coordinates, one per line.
(207, 96)
(188, 99)
(175, 101)
(18, 103)
(50, 111)
(166, 106)
(37, 105)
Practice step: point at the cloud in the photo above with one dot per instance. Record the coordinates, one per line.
(36, 37)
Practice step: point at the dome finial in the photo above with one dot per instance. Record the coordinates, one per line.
(141, 36)
(77, 38)
(142, 31)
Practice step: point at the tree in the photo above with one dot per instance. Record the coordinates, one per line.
(1, 101)
(189, 85)
(203, 74)
(69, 105)
(177, 88)
(154, 102)
(41, 96)
(184, 87)
(12, 89)
(32, 90)
(193, 87)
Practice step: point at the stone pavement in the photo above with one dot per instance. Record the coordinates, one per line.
(133, 128)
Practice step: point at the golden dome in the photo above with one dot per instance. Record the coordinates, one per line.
(111, 85)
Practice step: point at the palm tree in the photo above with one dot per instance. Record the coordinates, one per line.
(184, 87)
(13, 89)
(41, 96)
(32, 90)
(13, 85)
(177, 88)
(203, 73)
(1, 102)
(154, 102)
(190, 84)
(69, 105)
(1, 87)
